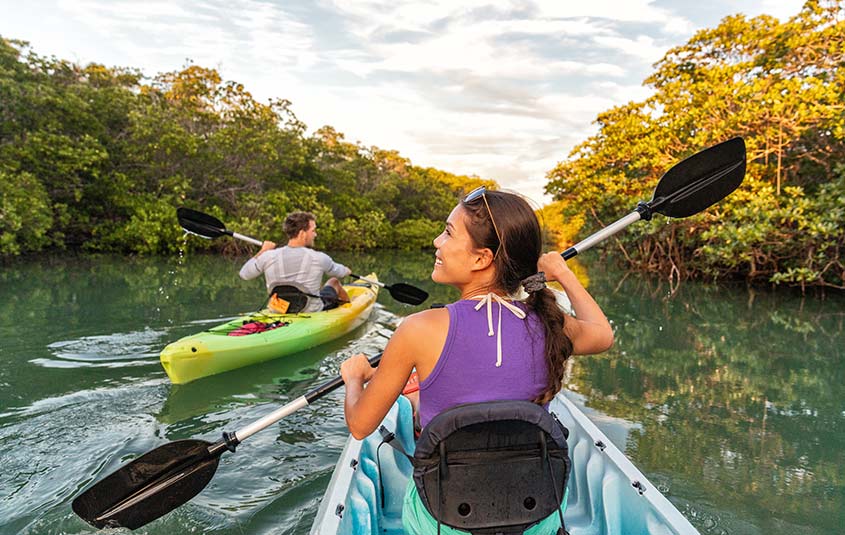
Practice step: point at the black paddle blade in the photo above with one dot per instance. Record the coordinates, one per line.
(201, 224)
(150, 486)
(405, 293)
(701, 180)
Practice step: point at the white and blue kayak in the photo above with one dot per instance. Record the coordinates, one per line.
(607, 493)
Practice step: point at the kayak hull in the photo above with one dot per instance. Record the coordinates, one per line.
(607, 493)
(214, 351)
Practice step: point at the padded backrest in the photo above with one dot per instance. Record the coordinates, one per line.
(293, 295)
(494, 467)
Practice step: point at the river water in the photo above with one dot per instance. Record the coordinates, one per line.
(731, 400)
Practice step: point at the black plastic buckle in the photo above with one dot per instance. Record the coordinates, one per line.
(645, 210)
(231, 441)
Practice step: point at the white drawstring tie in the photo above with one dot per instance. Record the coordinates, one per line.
(488, 300)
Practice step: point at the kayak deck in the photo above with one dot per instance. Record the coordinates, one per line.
(607, 493)
(214, 351)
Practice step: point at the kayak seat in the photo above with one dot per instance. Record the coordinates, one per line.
(295, 298)
(493, 468)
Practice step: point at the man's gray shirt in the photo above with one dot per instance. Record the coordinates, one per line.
(302, 267)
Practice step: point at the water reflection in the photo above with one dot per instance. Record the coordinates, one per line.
(739, 395)
(731, 400)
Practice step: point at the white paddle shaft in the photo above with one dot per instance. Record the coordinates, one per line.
(603, 234)
(247, 239)
(271, 418)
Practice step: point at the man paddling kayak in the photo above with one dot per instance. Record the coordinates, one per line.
(297, 264)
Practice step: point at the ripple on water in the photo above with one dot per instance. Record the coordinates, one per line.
(52, 460)
(116, 350)
(60, 445)
(712, 520)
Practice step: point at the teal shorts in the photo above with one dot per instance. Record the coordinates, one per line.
(416, 520)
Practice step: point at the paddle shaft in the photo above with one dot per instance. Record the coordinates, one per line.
(245, 238)
(299, 403)
(359, 277)
(686, 189)
(209, 227)
(260, 243)
(601, 235)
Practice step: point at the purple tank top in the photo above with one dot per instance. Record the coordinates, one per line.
(466, 371)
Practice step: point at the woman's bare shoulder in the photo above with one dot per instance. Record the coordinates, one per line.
(425, 321)
(421, 338)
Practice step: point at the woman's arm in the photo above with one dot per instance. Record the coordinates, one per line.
(590, 331)
(366, 407)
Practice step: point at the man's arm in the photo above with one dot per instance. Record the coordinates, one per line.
(252, 268)
(332, 268)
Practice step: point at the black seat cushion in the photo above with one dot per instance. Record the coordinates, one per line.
(296, 297)
(494, 467)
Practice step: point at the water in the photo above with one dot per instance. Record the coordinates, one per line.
(730, 400)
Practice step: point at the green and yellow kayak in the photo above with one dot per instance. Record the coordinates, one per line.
(216, 351)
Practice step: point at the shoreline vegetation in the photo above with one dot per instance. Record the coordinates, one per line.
(96, 159)
(776, 84)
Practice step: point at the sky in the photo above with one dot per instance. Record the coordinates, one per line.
(502, 89)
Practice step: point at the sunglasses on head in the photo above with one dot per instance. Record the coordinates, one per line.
(474, 195)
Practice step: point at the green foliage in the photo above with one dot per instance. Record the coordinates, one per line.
(105, 158)
(25, 215)
(150, 228)
(778, 85)
(416, 233)
(365, 232)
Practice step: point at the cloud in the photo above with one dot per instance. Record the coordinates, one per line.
(471, 40)
(369, 17)
(642, 11)
(502, 89)
(499, 88)
(215, 32)
(781, 9)
(642, 47)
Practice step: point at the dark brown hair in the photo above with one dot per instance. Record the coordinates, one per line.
(516, 259)
(297, 221)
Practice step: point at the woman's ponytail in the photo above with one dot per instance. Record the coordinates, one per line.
(558, 346)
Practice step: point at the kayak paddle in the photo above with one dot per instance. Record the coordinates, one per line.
(689, 187)
(209, 227)
(168, 476)
(404, 293)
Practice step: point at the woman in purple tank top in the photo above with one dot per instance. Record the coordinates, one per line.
(486, 346)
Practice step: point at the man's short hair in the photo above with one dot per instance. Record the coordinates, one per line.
(297, 221)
